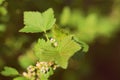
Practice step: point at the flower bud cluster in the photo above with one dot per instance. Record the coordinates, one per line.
(33, 72)
(53, 41)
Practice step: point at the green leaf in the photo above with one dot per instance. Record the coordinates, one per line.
(58, 33)
(65, 16)
(85, 46)
(38, 22)
(26, 60)
(67, 48)
(60, 54)
(8, 71)
(20, 78)
(45, 51)
(3, 11)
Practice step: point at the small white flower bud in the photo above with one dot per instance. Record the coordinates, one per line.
(25, 74)
(52, 40)
(55, 44)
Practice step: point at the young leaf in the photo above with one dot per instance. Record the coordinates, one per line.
(8, 71)
(45, 51)
(38, 22)
(67, 48)
(60, 54)
(20, 78)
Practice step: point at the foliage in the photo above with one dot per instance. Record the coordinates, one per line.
(38, 22)
(28, 58)
(8, 71)
(52, 53)
(20, 78)
(3, 13)
(87, 28)
(60, 54)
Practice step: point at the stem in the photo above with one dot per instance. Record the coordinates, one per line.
(46, 36)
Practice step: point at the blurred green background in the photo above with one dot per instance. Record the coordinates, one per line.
(95, 22)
